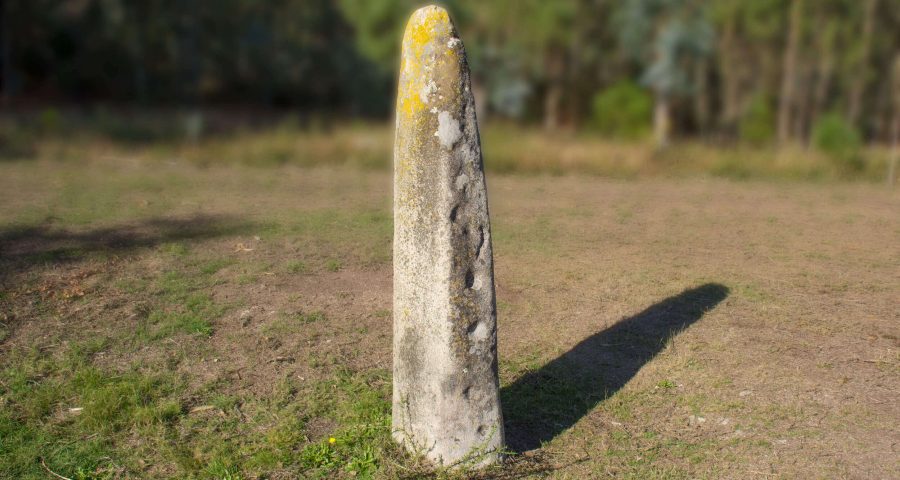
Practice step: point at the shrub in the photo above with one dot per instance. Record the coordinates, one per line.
(757, 125)
(50, 120)
(839, 139)
(16, 142)
(623, 110)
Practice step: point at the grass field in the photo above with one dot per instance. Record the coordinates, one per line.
(166, 315)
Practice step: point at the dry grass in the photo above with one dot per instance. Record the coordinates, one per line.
(508, 149)
(223, 321)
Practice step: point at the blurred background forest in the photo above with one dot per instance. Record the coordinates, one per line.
(820, 75)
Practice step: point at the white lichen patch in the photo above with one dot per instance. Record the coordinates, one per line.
(461, 181)
(480, 333)
(448, 131)
(427, 90)
(453, 43)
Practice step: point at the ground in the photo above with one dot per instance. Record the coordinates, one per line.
(165, 319)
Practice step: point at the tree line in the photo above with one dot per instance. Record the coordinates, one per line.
(763, 71)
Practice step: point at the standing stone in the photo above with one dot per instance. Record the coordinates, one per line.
(446, 390)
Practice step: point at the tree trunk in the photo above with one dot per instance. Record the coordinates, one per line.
(788, 78)
(140, 72)
(552, 101)
(802, 101)
(860, 75)
(730, 78)
(892, 166)
(824, 72)
(191, 54)
(555, 68)
(661, 121)
(701, 96)
(481, 99)
(6, 63)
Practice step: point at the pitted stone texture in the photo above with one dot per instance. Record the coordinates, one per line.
(446, 390)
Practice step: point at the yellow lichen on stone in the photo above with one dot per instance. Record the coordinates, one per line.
(427, 27)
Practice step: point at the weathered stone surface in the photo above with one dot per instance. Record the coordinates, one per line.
(446, 403)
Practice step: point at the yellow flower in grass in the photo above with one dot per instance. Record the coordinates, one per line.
(331, 440)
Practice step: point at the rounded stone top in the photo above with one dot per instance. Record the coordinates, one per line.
(426, 27)
(430, 68)
(431, 15)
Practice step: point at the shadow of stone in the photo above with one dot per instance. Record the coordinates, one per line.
(543, 403)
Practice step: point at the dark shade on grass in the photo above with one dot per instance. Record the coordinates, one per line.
(542, 404)
(24, 246)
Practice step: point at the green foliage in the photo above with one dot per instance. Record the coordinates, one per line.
(50, 120)
(341, 56)
(623, 110)
(757, 125)
(16, 141)
(285, 52)
(378, 26)
(665, 37)
(833, 135)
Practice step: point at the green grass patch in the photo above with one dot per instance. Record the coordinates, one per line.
(311, 317)
(82, 421)
(296, 267)
(178, 249)
(213, 266)
(180, 308)
(666, 384)
(74, 416)
(287, 322)
(357, 235)
(337, 427)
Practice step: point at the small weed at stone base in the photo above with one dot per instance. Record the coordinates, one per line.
(363, 464)
(218, 470)
(318, 455)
